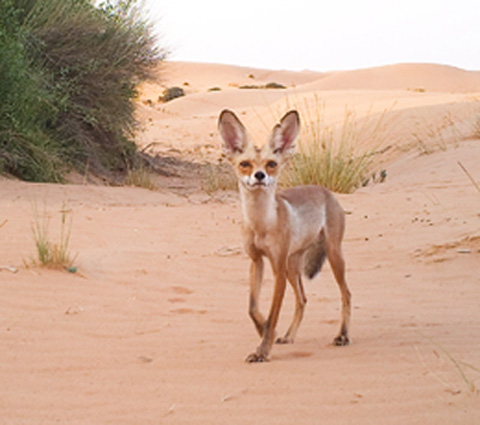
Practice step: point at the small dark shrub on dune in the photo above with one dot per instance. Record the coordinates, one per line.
(274, 85)
(249, 87)
(171, 93)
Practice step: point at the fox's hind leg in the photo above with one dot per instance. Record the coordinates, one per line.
(337, 263)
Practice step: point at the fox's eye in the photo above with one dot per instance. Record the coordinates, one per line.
(245, 164)
(271, 164)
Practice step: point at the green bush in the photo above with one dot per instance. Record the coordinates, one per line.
(26, 146)
(77, 67)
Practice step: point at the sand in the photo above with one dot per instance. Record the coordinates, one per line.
(153, 327)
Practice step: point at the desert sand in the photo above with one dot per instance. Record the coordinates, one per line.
(153, 327)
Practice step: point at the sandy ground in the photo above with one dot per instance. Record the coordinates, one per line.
(153, 328)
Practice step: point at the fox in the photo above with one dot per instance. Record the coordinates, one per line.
(295, 229)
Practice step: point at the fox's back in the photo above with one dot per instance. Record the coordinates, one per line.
(307, 196)
(310, 197)
(313, 208)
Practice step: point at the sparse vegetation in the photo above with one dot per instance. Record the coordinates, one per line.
(69, 75)
(434, 135)
(418, 90)
(49, 254)
(460, 367)
(476, 119)
(218, 177)
(336, 158)
(140, 176)
(476, 128)
(272, 85)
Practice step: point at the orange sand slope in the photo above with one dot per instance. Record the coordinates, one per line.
(418, 99)
(153, 328)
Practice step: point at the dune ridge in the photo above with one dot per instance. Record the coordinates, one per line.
(414, 77)
(411, 93)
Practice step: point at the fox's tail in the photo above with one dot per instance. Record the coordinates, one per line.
(315, 257)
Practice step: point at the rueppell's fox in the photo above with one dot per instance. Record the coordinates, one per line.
(295, 228)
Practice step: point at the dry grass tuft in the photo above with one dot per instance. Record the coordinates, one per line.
(217, 177)
(53, 255)
(140, 177)
(339, 158)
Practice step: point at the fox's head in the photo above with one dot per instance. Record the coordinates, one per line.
(258, 168)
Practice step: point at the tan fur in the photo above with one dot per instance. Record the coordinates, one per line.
(295, 229)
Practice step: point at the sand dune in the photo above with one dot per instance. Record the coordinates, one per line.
(153, 328)
(206, 75)
(415, 77)
(201, 77)
(366, 92)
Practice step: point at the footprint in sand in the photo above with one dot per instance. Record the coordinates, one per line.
(177, 300)
(181, 290)
(188, 311)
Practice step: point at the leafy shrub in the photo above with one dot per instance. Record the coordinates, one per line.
(80, 66)
(26, 112)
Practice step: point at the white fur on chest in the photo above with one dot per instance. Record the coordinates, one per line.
(261, 218)
(259, 212)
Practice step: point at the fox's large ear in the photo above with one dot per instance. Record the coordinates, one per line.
(284, 133)
(232, 133)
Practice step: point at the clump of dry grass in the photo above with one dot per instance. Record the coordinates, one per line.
(338, 158)
(218, 177)
(54, 255)
(476, 120)
(436, 135)
(140, 177)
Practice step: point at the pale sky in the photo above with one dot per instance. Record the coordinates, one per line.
(320, 35)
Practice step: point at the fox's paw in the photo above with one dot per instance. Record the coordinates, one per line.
(284, 340)
(341, 340)
(256, 358)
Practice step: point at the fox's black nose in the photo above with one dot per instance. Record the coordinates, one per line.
(260, 175)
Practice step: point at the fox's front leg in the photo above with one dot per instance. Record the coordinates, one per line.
(294, 275)
(256, 278)
(263, 350)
